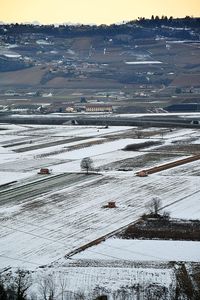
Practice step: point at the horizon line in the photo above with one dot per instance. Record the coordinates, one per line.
(36, 22)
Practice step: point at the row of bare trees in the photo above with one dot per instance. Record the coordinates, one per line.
(21, 286)
(51, 288)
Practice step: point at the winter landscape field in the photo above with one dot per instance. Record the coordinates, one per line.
(46, 221)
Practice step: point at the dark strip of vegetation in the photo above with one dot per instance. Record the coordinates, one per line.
(136, 147)
(15, 287)
(152, 227)
(140, 28)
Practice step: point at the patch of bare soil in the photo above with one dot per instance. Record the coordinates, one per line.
(139, 146)
(71, 148)
(46, 145)
(186, 149)
(27, 77)
(187, 80)
(163, 228)
(143, 161)
(138, 133)
(84, 83)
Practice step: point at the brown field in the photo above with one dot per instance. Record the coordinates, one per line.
(83, 43)
(187, 80)
(140, 162)
(27, 77)
(165, 229)
(87, 83)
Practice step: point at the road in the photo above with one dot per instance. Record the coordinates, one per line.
(166, 120)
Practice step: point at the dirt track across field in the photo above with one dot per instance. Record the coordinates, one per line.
(169, 165)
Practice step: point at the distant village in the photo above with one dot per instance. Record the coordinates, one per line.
(144, 65)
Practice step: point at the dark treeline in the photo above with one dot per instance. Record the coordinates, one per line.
(140, 28)
(15, 286)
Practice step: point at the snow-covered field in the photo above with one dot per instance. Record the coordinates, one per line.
(143, 250)
(127, 281)
(48, 227)
(41, 229)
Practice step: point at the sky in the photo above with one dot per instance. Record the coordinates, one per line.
(93, 11)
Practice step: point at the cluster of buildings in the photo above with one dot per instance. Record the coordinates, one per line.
(59, 107)
(96, 107)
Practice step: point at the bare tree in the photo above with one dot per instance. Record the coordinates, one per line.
(122, 293)
(138, 134)
(63, 284)
(22, 283)
(69, 295)
(47, 287)
(43, 287)
(154, 206)
(3, 292)
(100, 293)
(19, 284)
(87, 164)
(51, 287)
(33, 296)
(104, 297)
(79, 296)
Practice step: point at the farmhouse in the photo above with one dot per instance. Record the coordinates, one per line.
(98, 107)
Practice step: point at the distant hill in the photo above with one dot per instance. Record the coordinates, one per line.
(141, 54)
(141, 28)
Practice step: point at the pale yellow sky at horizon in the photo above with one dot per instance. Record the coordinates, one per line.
(93, 11)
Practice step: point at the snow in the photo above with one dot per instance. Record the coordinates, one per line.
(7, 155)
(92, 281)
(12, 55)
(10, 46)
(98, 149)
(188, 209)
(42, 229)
(146, 62)
(4, 139)
(51, 225)
(88, 131)
(182, 41)
(111, 157)
(6, 177)
(143, 250)
(43, 42)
